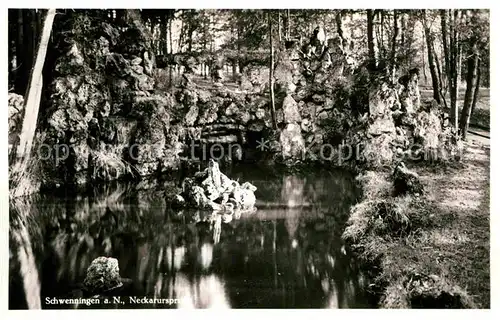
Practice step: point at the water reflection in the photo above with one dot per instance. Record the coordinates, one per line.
(287, 254)
(22, 259)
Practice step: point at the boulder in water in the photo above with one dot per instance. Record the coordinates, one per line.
(103, 274)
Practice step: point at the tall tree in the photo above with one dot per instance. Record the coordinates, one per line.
(380, 36)
(472, 64)
(163, 34)
(475, 39)
(442, 91)
(429, 38)
(424, 68)
(453, 71)
(271, 70)
(393, 49)
(445, 40)
(279, 26)
(22, 149)
(476, 90)
(171, 48)
(288, 24)
(21, 64)
(371, 45)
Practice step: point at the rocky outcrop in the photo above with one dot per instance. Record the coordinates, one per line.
(103, 107)
(393, 130)
(410, 93)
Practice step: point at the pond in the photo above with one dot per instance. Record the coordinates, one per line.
(287, 254)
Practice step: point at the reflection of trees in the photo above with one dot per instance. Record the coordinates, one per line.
(287, 254)
(21, 256)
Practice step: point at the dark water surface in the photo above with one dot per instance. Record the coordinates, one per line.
(287, 254)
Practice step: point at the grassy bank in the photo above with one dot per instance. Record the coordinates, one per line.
(429, 250)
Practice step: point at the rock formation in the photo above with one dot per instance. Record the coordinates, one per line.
(211, 189)
(103, 105)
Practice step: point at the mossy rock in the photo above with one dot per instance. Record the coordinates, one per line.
(102, 275)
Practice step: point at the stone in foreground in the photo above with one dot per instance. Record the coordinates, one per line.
(102, 275)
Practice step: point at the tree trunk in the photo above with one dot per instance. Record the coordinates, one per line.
(190, 43)
(430, 57)
(279, 26)
(235, 72)
(171, 52)
(476, 91)
(393, 49)
(32, 98)
(271, 71)
(453, 74)
(409, 37)
(381, 47)
(288, 24)
(445, 42)
(403, 30)
(181, 37)
(163, 34)
(442, 92)
(240, 32)
(459, 67)
(424, 68)
(29, 46)
(11, 45)
(152, 30)
(21, 71)
(472, 63)
(371, 44)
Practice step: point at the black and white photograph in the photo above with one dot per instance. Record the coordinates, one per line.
(319, 158)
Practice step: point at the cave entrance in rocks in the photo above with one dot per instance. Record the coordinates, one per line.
(255, 141)
(222, 145)
(229, 145)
